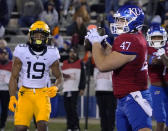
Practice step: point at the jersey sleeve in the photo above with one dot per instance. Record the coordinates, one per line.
(125, 45)
(54, 53)
(18, 52)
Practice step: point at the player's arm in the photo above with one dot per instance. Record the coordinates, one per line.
(165, 60)
(107, 50)
(109, 62)
(56, 71)
(16, 67)
(153, 60)
(161, 53)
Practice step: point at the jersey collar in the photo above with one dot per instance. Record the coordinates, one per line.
(32, 52)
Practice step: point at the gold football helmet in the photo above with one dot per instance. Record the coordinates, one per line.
(39, 26)
(39, 34)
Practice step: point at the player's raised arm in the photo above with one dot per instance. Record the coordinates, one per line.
(107, 62)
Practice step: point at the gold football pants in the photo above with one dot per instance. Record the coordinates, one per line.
(32, 102)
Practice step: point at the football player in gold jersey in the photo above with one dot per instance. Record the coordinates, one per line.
(33, 61)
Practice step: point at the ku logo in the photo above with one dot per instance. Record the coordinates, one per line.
(157, 92)
(135, 11)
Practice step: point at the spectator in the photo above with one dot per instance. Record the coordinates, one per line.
(58, 6)
(157, 37)
(66, 5)
(11, 5)
(4, 17)
(156, 20)
(105, 99)
(64, 52)
(162, 8)
(5, 72)
(165, 22)
(82, 11)
(57, 38)
(50, 16)
(3, 45)
(29, 11)
(111, 5)
(74, 84)
(88, 58)
(77, 30)
(75, 5)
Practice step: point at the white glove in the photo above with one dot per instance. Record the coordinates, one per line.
(160, 52)
(94, 37)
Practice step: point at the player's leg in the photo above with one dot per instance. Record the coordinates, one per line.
(74, 114)
(160, 126)
(165, 97)
(166, 129)
(102, 110)
(68, 109)
(107, 105)
(20, 128)
(145, 129)
(122, 122)
(111, 107)
(137, 117)
(4, 95)
(42, 126)
(42, 109)
(24, 111)
(158, 106)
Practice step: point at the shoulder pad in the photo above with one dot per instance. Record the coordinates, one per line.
(51, 47)
(19, 50)
(22, 45)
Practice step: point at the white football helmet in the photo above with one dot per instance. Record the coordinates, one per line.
(156, 36)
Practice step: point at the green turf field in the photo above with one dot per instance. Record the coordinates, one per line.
(55, 126)
(59, 126)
